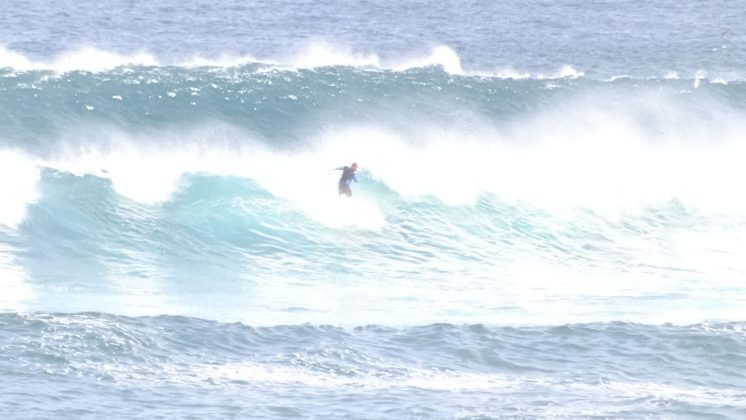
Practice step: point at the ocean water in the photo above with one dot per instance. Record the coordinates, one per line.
(549, 221)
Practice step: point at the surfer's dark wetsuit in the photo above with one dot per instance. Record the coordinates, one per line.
(348, 175)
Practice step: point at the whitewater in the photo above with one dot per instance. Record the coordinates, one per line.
(548, 224)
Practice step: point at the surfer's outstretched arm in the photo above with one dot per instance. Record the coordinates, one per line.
(354, 175)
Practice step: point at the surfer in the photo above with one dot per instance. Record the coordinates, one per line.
(348, 175)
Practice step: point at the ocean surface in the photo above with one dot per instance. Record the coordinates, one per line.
(550, 220)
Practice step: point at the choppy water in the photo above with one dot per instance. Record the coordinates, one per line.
(548, 221)
(78, 365)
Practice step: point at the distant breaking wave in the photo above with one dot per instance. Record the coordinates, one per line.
(312, 55)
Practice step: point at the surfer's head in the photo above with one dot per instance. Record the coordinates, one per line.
(353, 166)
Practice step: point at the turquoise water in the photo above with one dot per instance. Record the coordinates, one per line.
(548, 221)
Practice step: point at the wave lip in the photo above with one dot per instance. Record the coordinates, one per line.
(441, 56)
(86, 59)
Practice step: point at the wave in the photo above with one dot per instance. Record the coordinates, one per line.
(621, 175)
(147, 191)
(86, 59)
(612, 147)
(315, 54)
(288, 250)
(312, 55)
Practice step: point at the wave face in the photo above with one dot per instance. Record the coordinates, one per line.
(540, 228)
